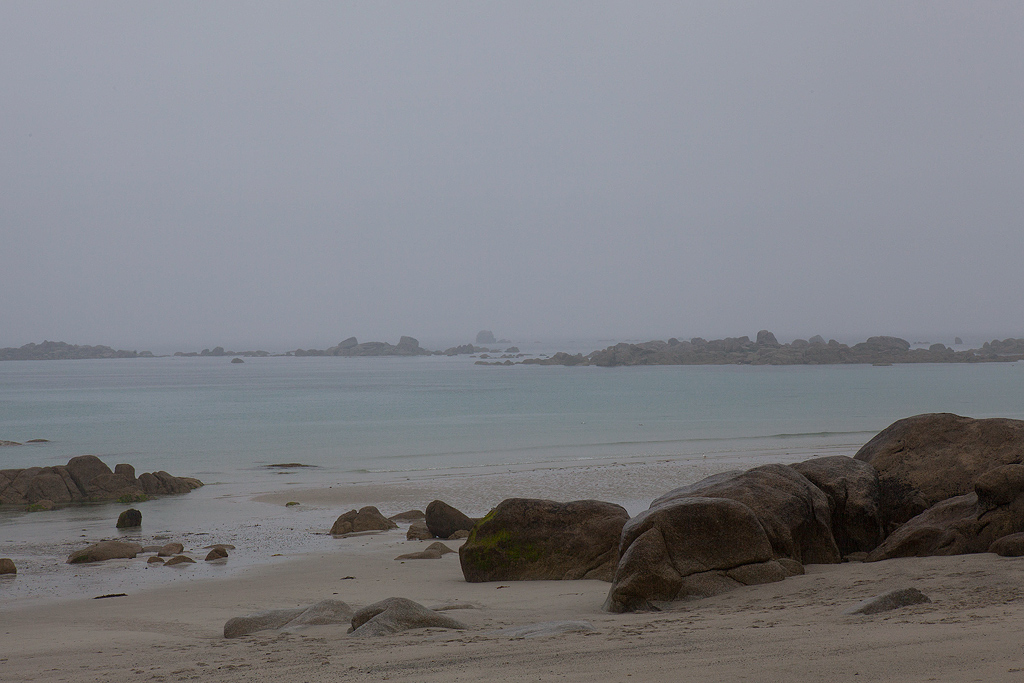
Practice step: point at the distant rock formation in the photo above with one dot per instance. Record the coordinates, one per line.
(87, 479)
(49, 350)
(766, 350)
(219, 351)
(485, 337)
(407, 346)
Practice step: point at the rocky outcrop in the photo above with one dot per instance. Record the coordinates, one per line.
(394, 615)
(105, 550)
(970, 523)
(86, 479)
(322, 613)
(925, 459)
(794, 513)
(526, 539)
(853, 493)
(407, 346)
(689, 546)
(443, 520)
(368, 518)
(49, 350)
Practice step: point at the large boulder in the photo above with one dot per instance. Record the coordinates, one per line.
(129, 518)
(970, 523)
(689, 546)
(853, 493)
(105, 550)
(526, 539)
(794, 513)
(925, 459)
(443, 520)
(398, 614)
(368, 518)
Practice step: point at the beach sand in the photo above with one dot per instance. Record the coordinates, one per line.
(793, 630)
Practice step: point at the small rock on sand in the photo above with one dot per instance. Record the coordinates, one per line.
(901, 597)
(105, 550)
(398, 614)
(418, 531)
(434, 551)
(545, 628)
(7, 566)
(179, 559)
(170, 549)
(217, 554)
(322, 613)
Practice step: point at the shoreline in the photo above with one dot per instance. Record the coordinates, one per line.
(791, 630)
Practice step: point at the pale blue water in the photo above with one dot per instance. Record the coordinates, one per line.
(367, 419)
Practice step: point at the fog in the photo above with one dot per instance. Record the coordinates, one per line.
(282, 175)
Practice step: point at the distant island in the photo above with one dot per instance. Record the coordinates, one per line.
(49, 350)
(766, 350)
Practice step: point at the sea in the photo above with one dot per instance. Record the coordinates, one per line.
(354, 422)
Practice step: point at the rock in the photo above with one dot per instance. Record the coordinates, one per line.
(322, 613)
(129, 518)
(155, 560)
(925, 459)
(544, 629)
(485, 337)
(418, 531)
(41, 506)
(408, 516)
(7, 566)
(216, 554)
(816, 339)
(368, 518)
(237, 360)
(179, 559)
(459, 535)
(398, 614)
(225, 546)
(443, 520)
(678, 538)
(434, 551)
(766, 338)
(125, 470)
(792, 567)
(170, 549)
(958, 341)
(853, 493)
(1011, 545)
(9, 443)
(794, 513)
(901, 597)
(105, 550)
(527, 539)
(971, 523)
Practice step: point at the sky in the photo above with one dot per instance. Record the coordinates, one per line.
(182, 175)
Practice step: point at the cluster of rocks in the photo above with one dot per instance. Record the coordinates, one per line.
(219, 351)
(168, 554)
(407, 346)
(86, 479)
(936, 484)
(439, 521)
(766, 350)
(49, 350)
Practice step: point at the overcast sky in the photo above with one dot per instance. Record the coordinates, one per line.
(281, 175)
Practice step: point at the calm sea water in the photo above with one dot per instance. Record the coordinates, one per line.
(366, 419)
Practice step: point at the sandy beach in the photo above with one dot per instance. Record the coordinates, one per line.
(791, 630)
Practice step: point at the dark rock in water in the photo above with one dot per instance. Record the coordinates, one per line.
(323, 613)
(398, 614)
(901, 597)
(129, 518)
(526, 539)
(38, 441)
(971, 523)
(216, 554)
(485, 337)
(9, 443)
(288, 465)
(408, 516)
(237, 360)
(7, 566)
(105, 550)
(434, 551)
(794, 513)
(1011, 545)
(685, 546)
(43, 505)
(443, 520)
(368, 518)
(925, 459)
(958, 341)
(179, 559)
(853, 492)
